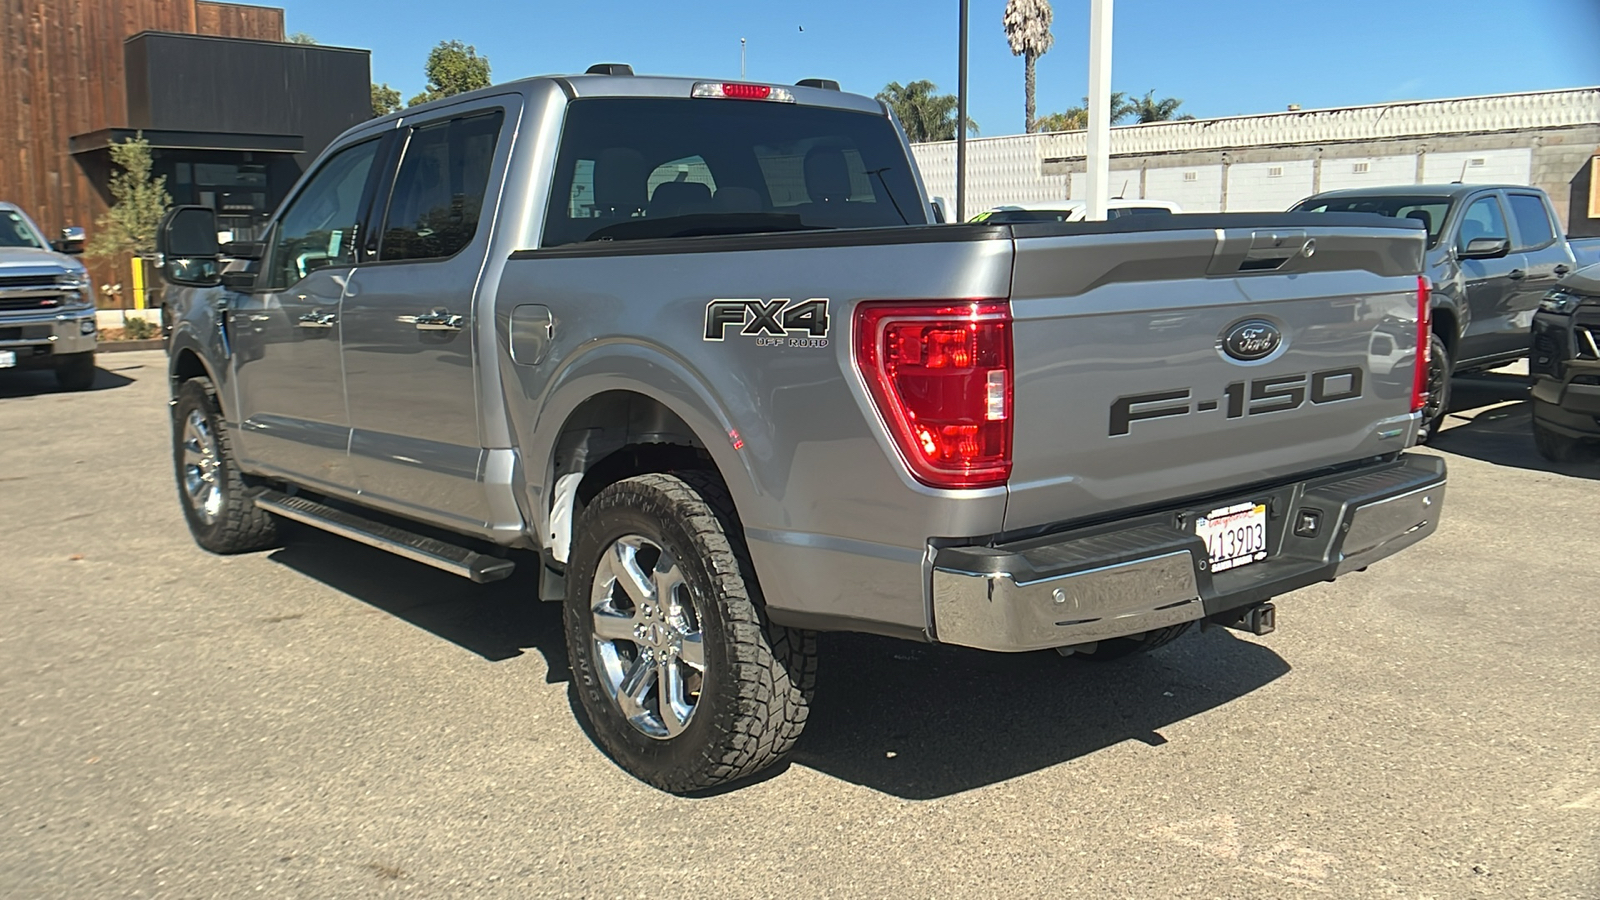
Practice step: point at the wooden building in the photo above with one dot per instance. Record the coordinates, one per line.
(81, 74)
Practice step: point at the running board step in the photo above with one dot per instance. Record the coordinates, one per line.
(453, 559)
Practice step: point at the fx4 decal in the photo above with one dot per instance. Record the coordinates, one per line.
(1278, 393)
(773, 323)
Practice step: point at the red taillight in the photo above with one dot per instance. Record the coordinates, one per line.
(1419, 380)
(941, 376)
(746, 91)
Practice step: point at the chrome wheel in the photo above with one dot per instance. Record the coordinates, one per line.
(201, 468)
(647, 638)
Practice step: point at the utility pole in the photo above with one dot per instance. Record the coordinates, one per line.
(961, 121)
(741, 59)
(1099, 156)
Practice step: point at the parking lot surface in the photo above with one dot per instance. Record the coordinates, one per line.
(328, 721)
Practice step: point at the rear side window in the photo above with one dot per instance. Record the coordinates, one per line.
(1533, 222)
(633, 169)
(438, 192)
(1429, 211)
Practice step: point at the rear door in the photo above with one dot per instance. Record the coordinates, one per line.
(1490, 284)
(409, 354)
(1545, 258)
(1127, 394)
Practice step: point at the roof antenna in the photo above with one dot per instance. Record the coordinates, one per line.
(1463, 178)
(1124, 190)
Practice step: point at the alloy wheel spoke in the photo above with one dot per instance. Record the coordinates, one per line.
(635, 687)
(612, 625)
(675, 707)
(624, 561)
(694, 651)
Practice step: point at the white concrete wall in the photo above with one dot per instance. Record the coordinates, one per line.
(1269, 186)
(1203, 194)
(1124, 184)
(1479, 167)
(1347, 172)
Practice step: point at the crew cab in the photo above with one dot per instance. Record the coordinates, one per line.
(693, 350)
(1493, 252)
(46, 302)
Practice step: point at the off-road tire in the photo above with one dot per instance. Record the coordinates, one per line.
(1124, 647)
(1555, 447)
(1439, 390)
(75, 371)
(240, 526)
(759, 676)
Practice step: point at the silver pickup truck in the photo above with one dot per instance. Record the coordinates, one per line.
(46, 302)
(694, 349)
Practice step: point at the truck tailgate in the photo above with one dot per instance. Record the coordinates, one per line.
(1128, 393)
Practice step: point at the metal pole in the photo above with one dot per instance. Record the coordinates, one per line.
(741, 59)
(1099, 161)
(961, 122)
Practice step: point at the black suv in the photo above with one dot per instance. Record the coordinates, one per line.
(1565, 364)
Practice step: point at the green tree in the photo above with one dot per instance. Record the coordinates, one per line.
(138, 201)
(1149, 109)
(385, 99)
(1076, 118)
(452, 68)
(923, 113)
(1027, 25)
(300, 37)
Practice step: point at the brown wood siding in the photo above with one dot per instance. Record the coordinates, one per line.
(260, 23)
(61, 74)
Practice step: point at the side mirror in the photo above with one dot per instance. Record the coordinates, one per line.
(938, 204)
(1486, 248)
(187, 242)
(71, 241)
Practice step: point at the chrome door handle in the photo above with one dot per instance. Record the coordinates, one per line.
(318, 320)
(1517, 275)
(1562, 270)
(439, 320)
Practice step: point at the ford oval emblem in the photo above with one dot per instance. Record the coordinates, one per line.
(1251, 340)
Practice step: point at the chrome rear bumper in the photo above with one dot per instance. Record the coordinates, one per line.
(1131, 577)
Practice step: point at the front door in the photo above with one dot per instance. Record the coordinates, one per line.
(1490, 283)
(408, 317)
(285, 332)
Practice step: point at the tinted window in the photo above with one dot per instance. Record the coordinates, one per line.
(14, 232)
(439, 190)
(1430, 211)
(1533, 223)
(319, 227)
(1482, 219)
(633, 169)
(1137, 211)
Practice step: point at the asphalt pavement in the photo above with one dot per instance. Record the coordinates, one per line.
(326, 721)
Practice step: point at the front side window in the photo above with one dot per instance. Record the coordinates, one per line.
(1533, 222)
(15, 233)
(633, 169)
(438, 192)
(1483, 219)
(319, 227)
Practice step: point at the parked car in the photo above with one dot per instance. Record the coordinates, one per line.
(719, 415)
(1565, 364)
(1493, 252)
(1073, 211)
(46, 302)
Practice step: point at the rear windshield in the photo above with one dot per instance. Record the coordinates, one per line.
(633, 169)
(15, 233)
(1430, 211)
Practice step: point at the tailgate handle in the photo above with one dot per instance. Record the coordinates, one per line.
(1271, 249)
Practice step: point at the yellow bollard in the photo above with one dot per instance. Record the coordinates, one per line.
(138, 283)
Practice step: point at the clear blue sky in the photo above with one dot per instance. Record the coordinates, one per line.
(1223, 57)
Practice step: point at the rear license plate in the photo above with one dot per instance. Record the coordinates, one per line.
(8, 358)
(1235, 536)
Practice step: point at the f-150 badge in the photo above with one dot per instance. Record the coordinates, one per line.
(773, 323)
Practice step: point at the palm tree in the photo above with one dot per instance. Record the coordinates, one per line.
(924, 114)
(1028, 29)
(1076, 118)
(1149, 109)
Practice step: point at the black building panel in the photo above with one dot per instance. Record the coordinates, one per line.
(181, 82)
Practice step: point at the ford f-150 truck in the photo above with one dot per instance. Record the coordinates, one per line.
(1493, 252)
(46, 302)
(694, 350)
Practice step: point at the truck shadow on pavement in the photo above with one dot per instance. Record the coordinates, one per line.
(921, 721)
(34, 382)
(496, 621)
(1491, 419)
